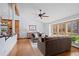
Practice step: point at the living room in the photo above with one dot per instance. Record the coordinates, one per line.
(35, 22)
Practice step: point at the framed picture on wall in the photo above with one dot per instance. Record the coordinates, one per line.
(32, 27)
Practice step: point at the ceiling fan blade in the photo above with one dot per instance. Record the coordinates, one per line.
(43, 13)
(45, 16)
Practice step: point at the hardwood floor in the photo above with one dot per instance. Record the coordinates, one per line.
(24, 48)
(73, 52)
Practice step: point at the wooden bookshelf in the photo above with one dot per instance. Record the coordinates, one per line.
(7, 24)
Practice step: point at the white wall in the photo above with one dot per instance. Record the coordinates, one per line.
(46, 28)
(4, 10)
(0, 25)
(27, 18)
(66, 19)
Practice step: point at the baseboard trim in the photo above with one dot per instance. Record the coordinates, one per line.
(22, 38)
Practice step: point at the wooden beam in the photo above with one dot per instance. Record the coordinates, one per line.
(17, 10)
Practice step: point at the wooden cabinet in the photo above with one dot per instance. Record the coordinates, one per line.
(9, 23)
(6, 25)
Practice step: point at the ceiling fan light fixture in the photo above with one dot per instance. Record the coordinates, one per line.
(41, 15)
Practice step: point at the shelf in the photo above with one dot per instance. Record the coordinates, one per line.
(4, 25)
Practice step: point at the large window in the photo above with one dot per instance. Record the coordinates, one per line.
(54, 29)
(66, 28)
(62, 28)
(73, 27)
(59, 29)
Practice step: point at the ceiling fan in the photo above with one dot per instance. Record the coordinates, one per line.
(41, 15)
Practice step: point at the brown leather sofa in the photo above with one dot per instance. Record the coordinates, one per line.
(54, 45)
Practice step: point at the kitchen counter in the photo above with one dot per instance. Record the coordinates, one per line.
(6, 44)
(7, 36)
(1, 36)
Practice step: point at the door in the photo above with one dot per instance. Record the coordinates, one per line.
(17, 28)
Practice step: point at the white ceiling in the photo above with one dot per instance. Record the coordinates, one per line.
(4, 10)
(54, 10)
